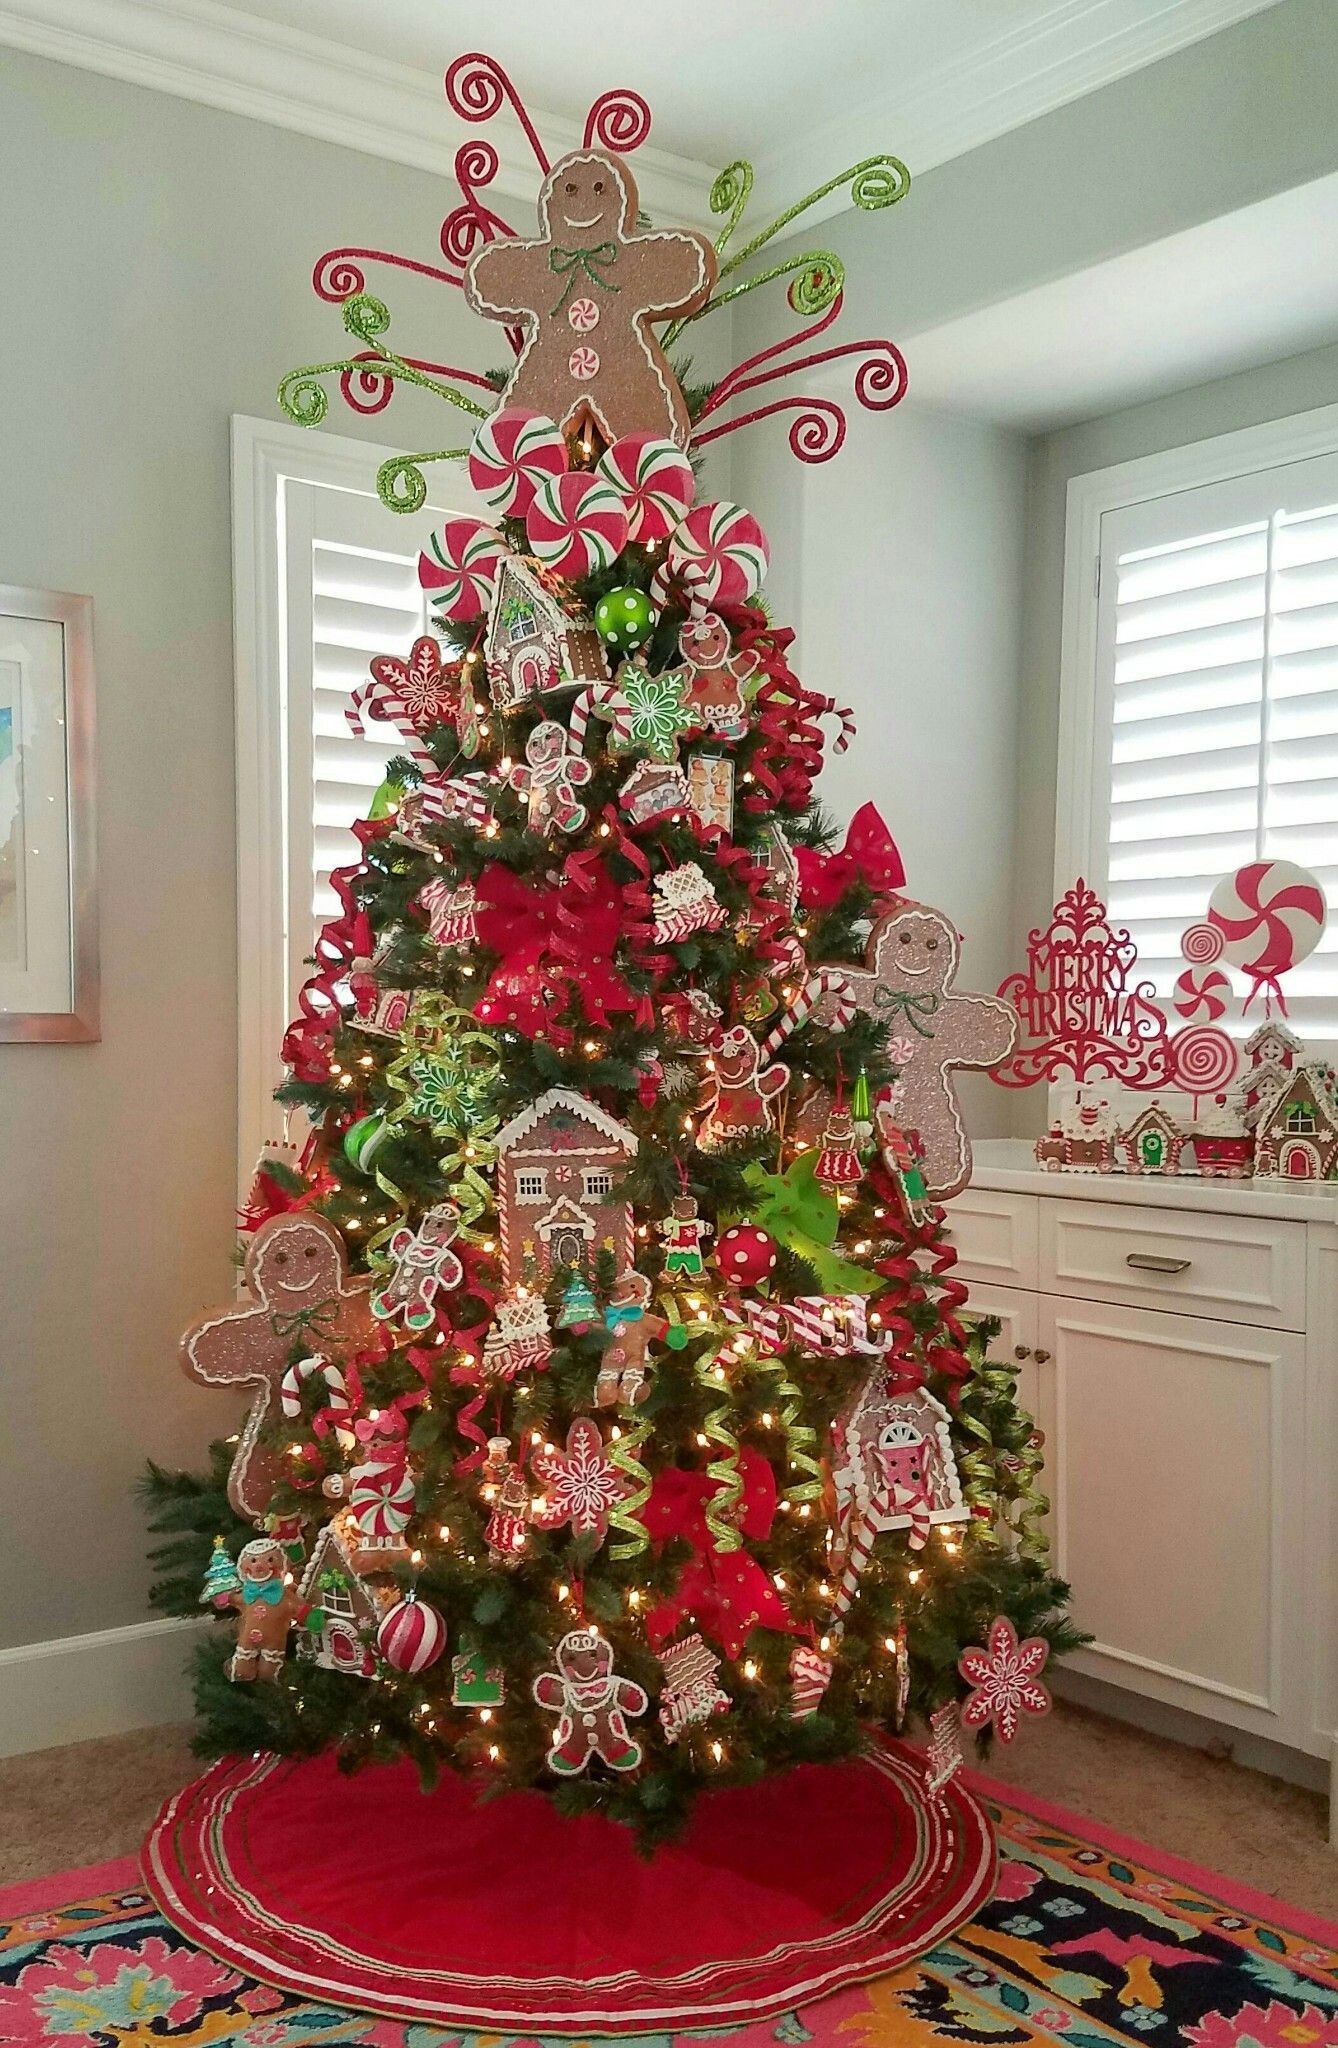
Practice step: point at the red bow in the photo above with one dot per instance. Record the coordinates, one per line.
(540, 969)
(724, 1593)
(869, 855)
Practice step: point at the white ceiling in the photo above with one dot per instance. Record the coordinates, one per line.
(797, 85)
(1249, 287)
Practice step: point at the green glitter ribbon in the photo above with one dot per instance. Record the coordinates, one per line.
(801, 1439)
(623, 1456)
(724, 1470)
(994, 1480)
(876, 182)
(303, 396)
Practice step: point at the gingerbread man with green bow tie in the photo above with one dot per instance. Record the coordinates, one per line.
(908, 985)
(587, 292)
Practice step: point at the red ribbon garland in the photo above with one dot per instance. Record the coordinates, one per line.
(905, 1271)
(308, 1040)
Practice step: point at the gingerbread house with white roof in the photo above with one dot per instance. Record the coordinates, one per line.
(558, 1165)
(1296, 1126)
(535, 642)
(344, 1605)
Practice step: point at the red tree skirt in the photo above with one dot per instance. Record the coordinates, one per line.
(506, 1917)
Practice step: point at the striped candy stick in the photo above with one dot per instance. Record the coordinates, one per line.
(338, 1412)
(828, 981)
(602, 698)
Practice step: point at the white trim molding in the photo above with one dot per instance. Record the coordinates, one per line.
(1079, 835)
(105, 1683)
(235, 60)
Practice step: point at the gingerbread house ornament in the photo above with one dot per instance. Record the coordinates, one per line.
(893, 1465)
(1153, 1142)
(1296, 1127)
(558, 1165)
(343, 1607)
(534, 643)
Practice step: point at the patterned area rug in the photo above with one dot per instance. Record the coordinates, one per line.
(1090, 1940)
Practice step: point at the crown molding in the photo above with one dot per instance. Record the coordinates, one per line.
(1075, 48)
(219, 57)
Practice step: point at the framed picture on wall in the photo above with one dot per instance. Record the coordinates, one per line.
(48, 887)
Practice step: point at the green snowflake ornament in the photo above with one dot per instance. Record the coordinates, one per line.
(651, 714)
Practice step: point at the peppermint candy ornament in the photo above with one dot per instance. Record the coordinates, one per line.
(1271, 915)
(412, 1635)
(514, 452)
(719, 555)
(1202, 994)
(654, 480)
(458, 567)
(576, 525)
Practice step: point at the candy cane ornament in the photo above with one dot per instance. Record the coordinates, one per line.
(338, 1412)
(828, 981)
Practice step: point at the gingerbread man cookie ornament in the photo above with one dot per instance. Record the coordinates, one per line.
(626, 1364)
(266, 1610)
(586, 291)
(716, 677)
(301, 1299)
(908, 984)
(592, 1704)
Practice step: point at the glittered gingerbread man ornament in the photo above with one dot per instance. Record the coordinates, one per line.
(586, 293)
(549, 777)
(623, 1373)
(913, 954)
(301, 1298)
(741, 1090)
(592, 1704)
(715, 677)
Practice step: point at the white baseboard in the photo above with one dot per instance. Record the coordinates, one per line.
(100, 1684)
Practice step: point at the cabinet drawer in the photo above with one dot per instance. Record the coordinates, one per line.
(994, 1236)
(1230, 1267)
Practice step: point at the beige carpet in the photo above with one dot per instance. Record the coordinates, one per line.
(94, 1801)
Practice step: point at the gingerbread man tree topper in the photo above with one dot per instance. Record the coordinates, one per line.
(908, 984)
(587, 292)
(301, 1298)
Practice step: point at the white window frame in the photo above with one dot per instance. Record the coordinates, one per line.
(1082, 818)
(266, 456)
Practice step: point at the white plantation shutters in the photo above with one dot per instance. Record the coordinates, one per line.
(353, 592)
(1216, 736)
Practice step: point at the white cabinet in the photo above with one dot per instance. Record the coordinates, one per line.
(1178, 1346)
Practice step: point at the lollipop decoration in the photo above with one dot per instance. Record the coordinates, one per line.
(1201, 943)
(513, 455)
(458, 567)
(655, 481)
(1270, 915)
(1204, 1059)
(718, 554)
(577, 524)
(1202, 994)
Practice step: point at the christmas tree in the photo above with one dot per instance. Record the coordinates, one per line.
(612, 1396)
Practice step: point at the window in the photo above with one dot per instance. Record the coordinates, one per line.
(1199, 722)
(325, 577)
(531, 1187)
(597, 1182)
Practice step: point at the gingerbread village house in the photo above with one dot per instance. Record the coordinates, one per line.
(558, 1164)
(345, 1608)
(1271, 1053)
(1153, 1142)
(534, 642)
(1296, 1126)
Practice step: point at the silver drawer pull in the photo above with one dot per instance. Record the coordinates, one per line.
(1152, 1262)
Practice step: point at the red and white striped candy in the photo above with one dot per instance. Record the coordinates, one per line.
(297, 1377)
(412, 1635)
(458, 567)
(1200, 943)
(719, 554)
(513, 453)
(1271, 914)
(577, 524)
(828, 981)
(654, 480)
(1202, 994)
(382, 1498)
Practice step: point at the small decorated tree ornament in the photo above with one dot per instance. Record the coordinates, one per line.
(475, 1682)
(335, 1412)
(550, 775)
(452, 912)
(266, 1610)
(711, 790)
(684, 1233)
(623, 1375)
(222, 1581)
(719, 555)
(1005, 1680)
(861, 1109)
(592, 1704)
(741, 1091)
(578, 1306)
(412, 1635)
(810, 1676)
(625, 618)
(716, 677)
(691, 1693)
(582, 1485)
(423, 1266)
(363, 1140)
(685, 903)
(838, 1164)
(647, 714)
(509, 1522)
(520, 1339)
(416, 695)
(654, 789)
(746, 1255)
